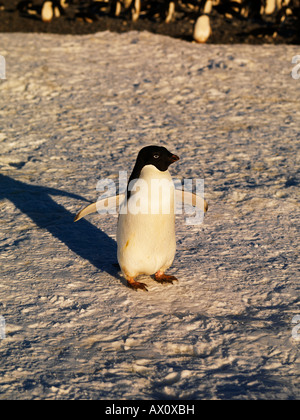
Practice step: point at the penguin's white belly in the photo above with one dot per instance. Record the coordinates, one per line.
(146, 242)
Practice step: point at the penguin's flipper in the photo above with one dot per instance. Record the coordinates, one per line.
(105, 204)
(191, 199)
(91, 208)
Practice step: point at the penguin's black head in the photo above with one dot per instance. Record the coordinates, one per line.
(157, 156)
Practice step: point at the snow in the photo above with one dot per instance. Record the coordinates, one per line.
(75, 109)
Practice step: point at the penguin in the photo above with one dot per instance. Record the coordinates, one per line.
(170, 12)
(146, 242)
(47, 11)
(136, 10)
(51, 9)
(270, 7)
(202, 29)
(146, 223)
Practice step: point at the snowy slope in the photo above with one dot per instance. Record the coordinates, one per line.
(75, 109)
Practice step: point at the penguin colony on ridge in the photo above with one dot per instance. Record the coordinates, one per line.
(199, 11)
(46, 10)
(146, 241)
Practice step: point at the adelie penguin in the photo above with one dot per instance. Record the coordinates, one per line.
(146, 238)
(51, 9)
(46, 11)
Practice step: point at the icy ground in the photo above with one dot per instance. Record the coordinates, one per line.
(75, 109)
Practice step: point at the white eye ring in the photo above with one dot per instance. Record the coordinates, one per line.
(156, 156)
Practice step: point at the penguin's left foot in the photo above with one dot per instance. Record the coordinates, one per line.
(164, 278)
(136, 284)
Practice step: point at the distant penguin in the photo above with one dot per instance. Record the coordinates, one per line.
(170, 11)
(47, 11)
(146, 223)
(202, 29)
(118, 8)
(270, 7)
(51, 9)
(208, 7)
(136, 10)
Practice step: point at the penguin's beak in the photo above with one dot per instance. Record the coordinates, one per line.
(174, 158)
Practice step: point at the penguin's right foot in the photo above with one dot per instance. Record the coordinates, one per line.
(136, 285)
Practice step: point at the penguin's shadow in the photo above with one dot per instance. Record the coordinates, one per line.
(83, 238)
